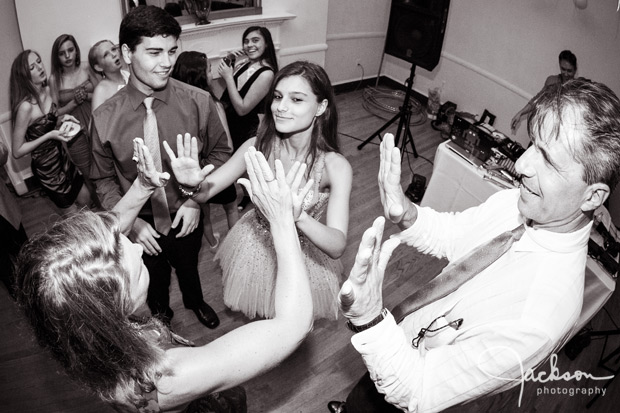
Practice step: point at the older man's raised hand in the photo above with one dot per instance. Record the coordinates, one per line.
(361, 295)
(392, 196)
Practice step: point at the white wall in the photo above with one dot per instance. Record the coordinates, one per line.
(304, 37)
(42, 21)
(355, 33)
(11, 46)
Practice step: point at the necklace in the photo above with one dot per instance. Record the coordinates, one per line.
(293, 159)
(278, 150)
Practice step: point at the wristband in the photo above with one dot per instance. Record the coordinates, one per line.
(372, 323)
(189, 194)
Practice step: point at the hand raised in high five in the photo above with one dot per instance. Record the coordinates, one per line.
(392, 195)
(148, 176)
(294, 178)
(361, 295)
(274, 195)
(186, 167)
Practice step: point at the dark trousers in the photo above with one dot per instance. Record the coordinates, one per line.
(182, 255)
(11, 241)
(364, 398)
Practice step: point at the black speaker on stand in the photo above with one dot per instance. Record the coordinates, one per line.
(415, 34)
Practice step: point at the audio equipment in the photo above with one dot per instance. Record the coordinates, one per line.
(415, 31)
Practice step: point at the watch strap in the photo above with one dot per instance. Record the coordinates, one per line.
(371, 323)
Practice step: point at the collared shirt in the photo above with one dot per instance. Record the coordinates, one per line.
(179, 109)
(515, 313)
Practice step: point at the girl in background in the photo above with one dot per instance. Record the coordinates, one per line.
(72, 85)
(194, 69)
(104, 59)
(35, 132)
(247, 84)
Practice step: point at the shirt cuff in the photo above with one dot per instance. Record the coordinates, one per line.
(391, 362)
(367, 339)
(412, 234)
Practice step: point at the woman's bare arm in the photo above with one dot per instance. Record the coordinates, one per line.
(256, 347)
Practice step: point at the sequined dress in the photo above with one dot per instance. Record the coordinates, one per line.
(248, 260)
(51, 165)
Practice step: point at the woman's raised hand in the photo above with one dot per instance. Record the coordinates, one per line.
(270, 193)
(186, 167)
(225, 71)
(148, 174)
(294, 179)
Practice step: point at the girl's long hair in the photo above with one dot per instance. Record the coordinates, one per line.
(22, 87)
(325, 130)
(74, 290)
(191, 68)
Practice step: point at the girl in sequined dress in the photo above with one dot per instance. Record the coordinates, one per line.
(300, 125)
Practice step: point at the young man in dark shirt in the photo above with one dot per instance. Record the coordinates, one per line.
(148, 38)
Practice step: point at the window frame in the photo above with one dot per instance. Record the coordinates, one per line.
(256, 9)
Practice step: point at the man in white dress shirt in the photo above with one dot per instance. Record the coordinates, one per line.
(513, 315)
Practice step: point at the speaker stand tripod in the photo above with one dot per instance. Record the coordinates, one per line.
(404, 115)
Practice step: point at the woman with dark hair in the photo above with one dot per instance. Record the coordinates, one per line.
(72, 85)
(38, 131)
(194, 69)
(247, 83)
(568, 69)
(300, 125)
(82, 280)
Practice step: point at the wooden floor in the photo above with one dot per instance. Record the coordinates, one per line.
(326, 366)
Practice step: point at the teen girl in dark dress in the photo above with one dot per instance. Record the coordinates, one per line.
(37, 131)
(247, 84)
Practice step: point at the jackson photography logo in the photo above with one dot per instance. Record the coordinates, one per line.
(548, 378)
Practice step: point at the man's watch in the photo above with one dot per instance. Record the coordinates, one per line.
(372, 323)
(191, 193)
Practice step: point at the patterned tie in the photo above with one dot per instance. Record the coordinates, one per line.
(458, 273)
(159, 204)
